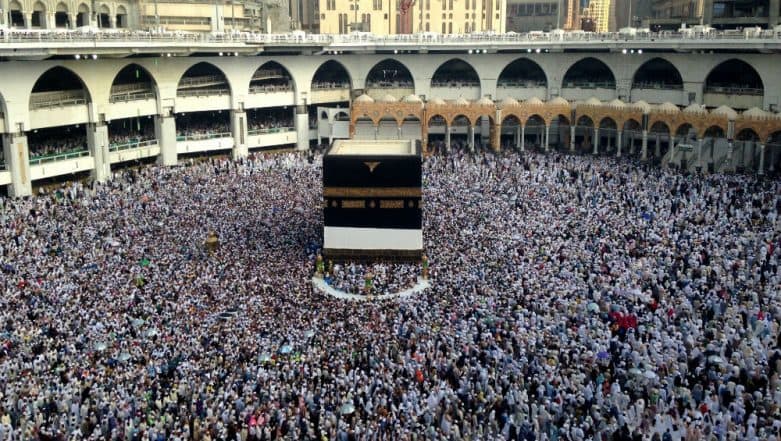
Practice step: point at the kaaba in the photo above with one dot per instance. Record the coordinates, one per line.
(372, 200)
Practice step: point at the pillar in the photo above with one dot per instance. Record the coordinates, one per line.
(658, 146)
(302, 128)
(619, 133)
(165, 132)
(112, 19)
(761, 170)
(28, 19)
(644, 156)
(495, 137)
(4, 15)
(775, 5)
(17, 161)
(72, 21)
(239, 133)
(447, 138)
(572, 139)
(596, 140)
(523, 136)
(699, 154)
(51, 23)
(547, 136)
(376, 131)
(97, 142)
(398, 132)
(518, 137)
(470, 138)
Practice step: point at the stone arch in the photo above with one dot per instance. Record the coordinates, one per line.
(458, 116)
(211, 78)
(390, 70)
(714, 131)
(657, 71)
(411, 127)
(587, 71)
(341, 116)
(441, 75)
(536, 75)
(82, 15)
(130, 71)
(747, 134)
(438, 117)
(733, 75)
(59, 79)
(332, 71)
(274, 68)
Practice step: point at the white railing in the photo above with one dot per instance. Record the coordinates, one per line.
(38, 160)
(270, 130)
(42, 100)
(203, 136)
(427, 38)
(131, 144)
(270, 89)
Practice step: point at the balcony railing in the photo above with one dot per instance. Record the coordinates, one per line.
(525, 84)
(203, 136)
(43, 100)
(131, 144)
(657, 85)
(123, 97)
(38, 160)
(299, 38)
(730, 90)
(270, 89)
(589, 85)
(270, 130)
(202, 92)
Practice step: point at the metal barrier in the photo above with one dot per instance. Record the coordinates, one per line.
(38, 160)
(131, 96)
(270, 130)
(131, 145)
(186, 38)
(203, 136)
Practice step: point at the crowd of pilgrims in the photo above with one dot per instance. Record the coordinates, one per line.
(381, 278)
(573, 298)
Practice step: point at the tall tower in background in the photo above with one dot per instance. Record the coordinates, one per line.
(602, 14)
(572, 17)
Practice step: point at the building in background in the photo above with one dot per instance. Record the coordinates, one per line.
(385, 17)
(304, 15)
(536, 15)
(599, 16)
(721, 14)
(210, 16)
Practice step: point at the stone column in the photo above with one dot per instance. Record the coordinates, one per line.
(302, 128)
(495, 137)
(618, 154)
(547, 136)
(699, 154)
(72, 21)
(470, 138)
(761, 170)
(17, 161)
(4, 15)
(51, 22)
(596, 140)
(645, 146)
(773, 13)
(572, 139)
(239, 133)
(376, 131)
(517, 137)
(398, 132)
(523, 136)
(97, 142)
(28, 20)
(658, 147)
(165, 132)
(447, 138)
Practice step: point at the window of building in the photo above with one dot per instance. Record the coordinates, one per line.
(444, 28)
(450, 4)
(427, 27)
(450, 28)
